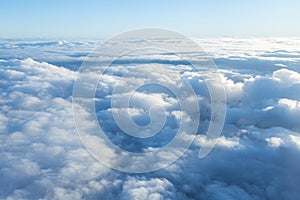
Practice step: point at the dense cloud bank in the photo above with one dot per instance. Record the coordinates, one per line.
(257, 157)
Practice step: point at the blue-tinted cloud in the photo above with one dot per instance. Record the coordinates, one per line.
(256, 158)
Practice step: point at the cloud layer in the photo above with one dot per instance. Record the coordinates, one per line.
(41, 156)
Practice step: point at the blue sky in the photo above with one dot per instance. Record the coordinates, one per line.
(98, 19)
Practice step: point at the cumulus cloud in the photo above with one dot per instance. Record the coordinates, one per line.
(42, 157)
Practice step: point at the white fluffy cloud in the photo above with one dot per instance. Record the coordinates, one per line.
(41, 156)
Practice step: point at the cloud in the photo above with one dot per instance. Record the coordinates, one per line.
(143, 188)
(41, 156)
(274, 141)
